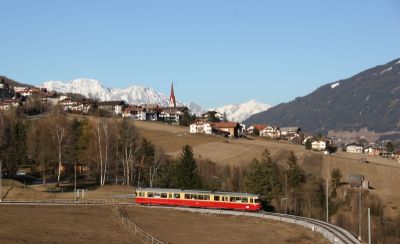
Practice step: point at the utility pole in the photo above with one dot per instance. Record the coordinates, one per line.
(75, 183)
(286, 200)
(327, 190)
(369, 226)
(359, 217)
(1, 182)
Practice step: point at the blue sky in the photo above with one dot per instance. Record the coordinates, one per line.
(216, 52)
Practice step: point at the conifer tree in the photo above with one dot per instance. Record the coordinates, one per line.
(187, 171)
(308, 144)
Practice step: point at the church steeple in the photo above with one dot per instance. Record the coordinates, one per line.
(172, 101)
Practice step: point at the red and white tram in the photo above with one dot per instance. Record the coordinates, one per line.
(198, 199)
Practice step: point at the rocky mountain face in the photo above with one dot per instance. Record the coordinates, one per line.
(368, 101)
(133, 95)
(143, 95)
(240, 112)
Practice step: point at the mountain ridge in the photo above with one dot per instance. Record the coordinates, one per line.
(368, 100)
(135, 94)
(241, 111)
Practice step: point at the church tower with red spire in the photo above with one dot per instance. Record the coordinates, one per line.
(172, 101)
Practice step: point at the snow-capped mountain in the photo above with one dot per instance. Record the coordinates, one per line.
(240, 112)
(133, 95)
(144, 95)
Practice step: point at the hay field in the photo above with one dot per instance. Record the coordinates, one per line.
(62, 224)
(383, 174)
(183, 227)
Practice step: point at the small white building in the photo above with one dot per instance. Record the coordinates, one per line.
(201, 127)
(114, 107)
(354, 148)
(135, 113)
(271, 132)
(318, 145)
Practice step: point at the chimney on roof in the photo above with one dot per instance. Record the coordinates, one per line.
(172, 101)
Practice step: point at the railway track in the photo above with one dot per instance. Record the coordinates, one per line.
(331, 232)
(340, 235)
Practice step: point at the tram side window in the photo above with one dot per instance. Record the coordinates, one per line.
(200, 197)
(193, 196)
(256, 200)
(164, 195)
(251, 200)
(207, 197)
(245, 200)
(150, 194)
(187, 196)
(216, 198)
(177, 195)
(157, 195)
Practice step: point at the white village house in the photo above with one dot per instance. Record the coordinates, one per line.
(271, 132)
(135, 113)
(318, 145)
(114, 107)
(354, 148)
(201, 127)
(289, 133)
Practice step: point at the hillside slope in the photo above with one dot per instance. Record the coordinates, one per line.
(369, 100)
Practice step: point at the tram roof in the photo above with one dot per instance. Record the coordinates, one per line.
(235, 194)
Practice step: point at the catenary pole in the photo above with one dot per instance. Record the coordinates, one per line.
(1, 183)
(369, 226)
(327, 190)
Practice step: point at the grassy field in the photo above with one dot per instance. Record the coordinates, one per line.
(184, 227)
(62, 224)
(383, 174)
(95, 224)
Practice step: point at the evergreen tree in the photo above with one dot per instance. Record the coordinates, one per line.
(187, 171)
(14, 150)
(256, 132)
(336, 176)
(294, 173)
(308, 145)
(263, 177)
(390, 147)
(294, 182)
